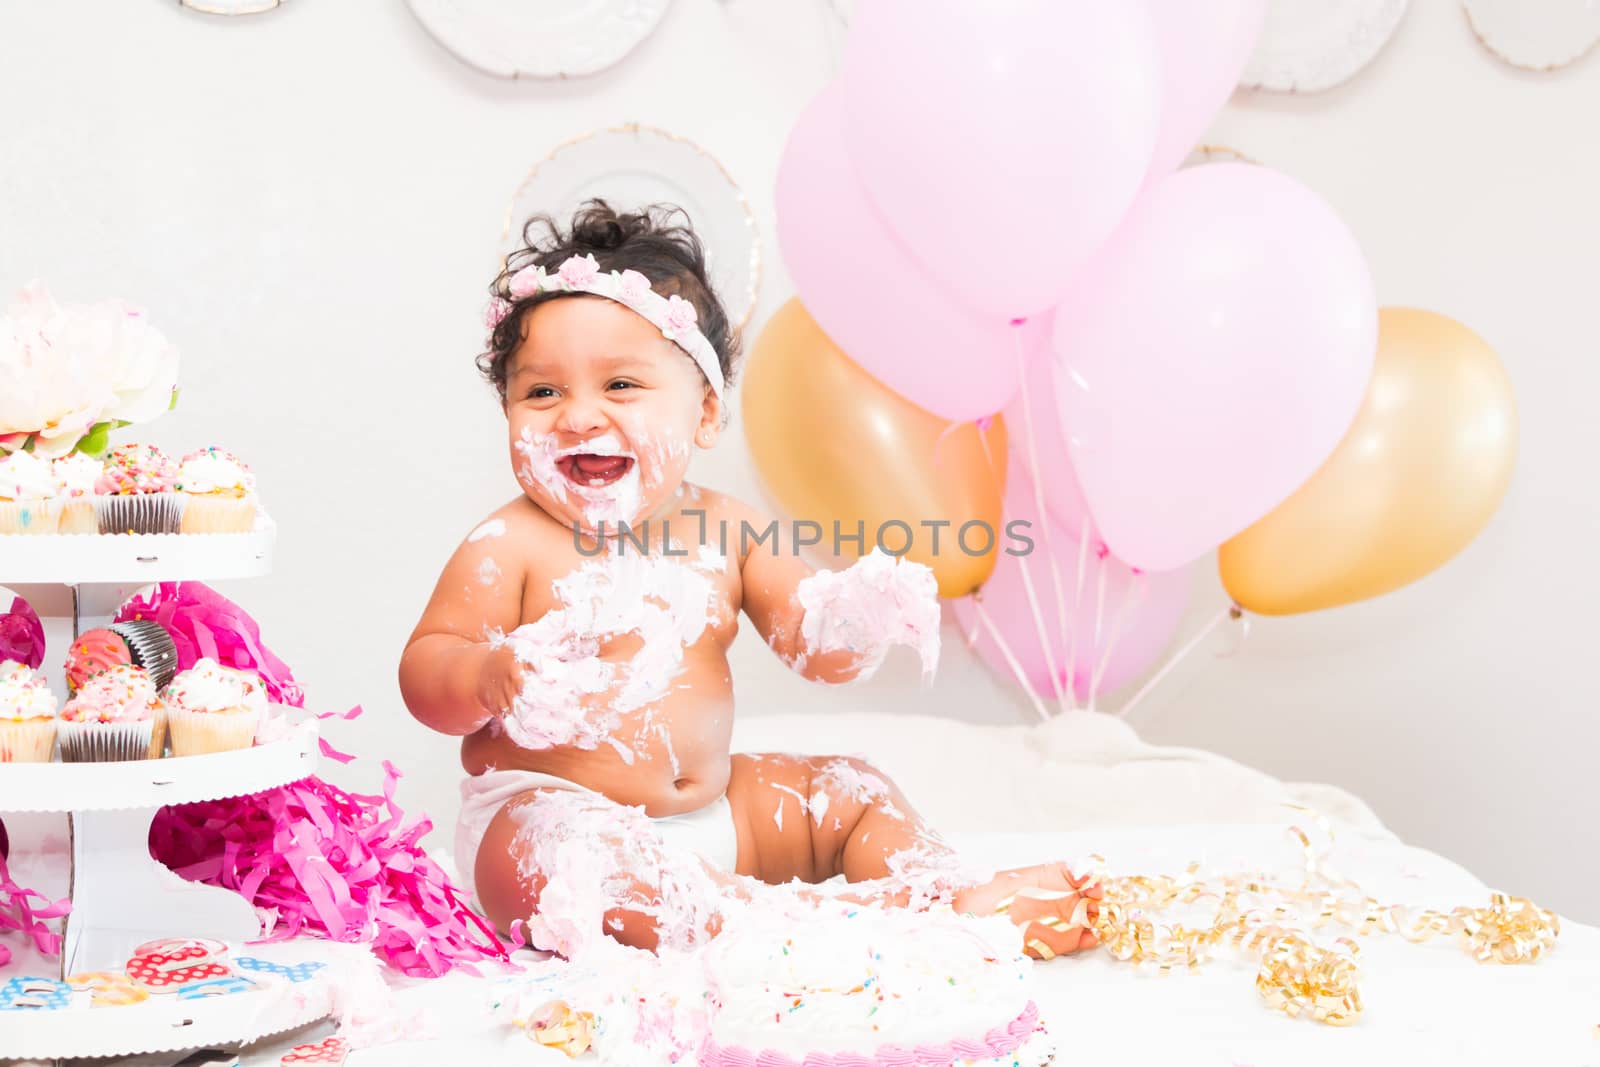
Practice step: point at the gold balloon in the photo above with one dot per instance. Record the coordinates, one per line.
(1420, 472)
(833, 443)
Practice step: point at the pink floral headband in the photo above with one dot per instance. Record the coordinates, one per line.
(674, 316)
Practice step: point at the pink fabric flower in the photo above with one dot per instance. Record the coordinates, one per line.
(681, 316)
(496, 313)
(22, 635)
(526, 281)
(204, 624)
(579, 271)
(632, 286)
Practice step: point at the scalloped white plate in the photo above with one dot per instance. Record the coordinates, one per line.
(1536, 34)
(539, 38)
(1307, 46)
(634, 165)
(230, 7)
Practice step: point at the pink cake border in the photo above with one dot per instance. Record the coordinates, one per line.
(997, 1042)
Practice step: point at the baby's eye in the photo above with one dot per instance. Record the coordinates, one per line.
(620, 385)
(540, 392)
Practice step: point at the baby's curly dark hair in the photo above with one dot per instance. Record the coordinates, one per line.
(651, 241)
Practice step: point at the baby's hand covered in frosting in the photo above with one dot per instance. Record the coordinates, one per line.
(876, 603)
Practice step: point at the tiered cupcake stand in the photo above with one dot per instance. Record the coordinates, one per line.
(121, 897)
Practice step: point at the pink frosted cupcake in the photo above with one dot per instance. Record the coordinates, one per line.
(137, 492)
(27, 715)
(212, 708)
(116, 715)
(219, 491)
(76, 476)
(30, 502)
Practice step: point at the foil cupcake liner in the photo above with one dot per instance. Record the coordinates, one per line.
(111, 742)
(151, 648)
(140, 513)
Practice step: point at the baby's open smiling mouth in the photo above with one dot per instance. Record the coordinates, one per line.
(589, 471)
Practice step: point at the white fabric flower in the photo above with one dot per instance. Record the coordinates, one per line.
(50, 388)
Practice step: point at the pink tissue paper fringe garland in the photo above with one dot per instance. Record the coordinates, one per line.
(313, 858)
(22, 635)
(204, 624)
(19, 913)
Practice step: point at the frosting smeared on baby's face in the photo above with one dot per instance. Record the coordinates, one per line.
(603, 412)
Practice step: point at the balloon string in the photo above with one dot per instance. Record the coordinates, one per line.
(1077, 599)
(1045, 644)
(1065, 695)
(1119, 628)
(1011, 661)
(1232, 611)
(938, 442)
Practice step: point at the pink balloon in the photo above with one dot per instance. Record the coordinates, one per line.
(1037, 397)
(1139, 616)
(865, 291)
(1002, 141)
(1203, 48)
(1213, 357)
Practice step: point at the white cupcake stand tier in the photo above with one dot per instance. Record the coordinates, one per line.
(122, 897)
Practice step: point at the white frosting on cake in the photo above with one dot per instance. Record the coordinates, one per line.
(24, 694)
(788, 977)
(862, 979)
(210, 687)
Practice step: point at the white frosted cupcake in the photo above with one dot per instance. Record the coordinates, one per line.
(212, 708)
(76, 475)
(30, 501)
(220, 490)
(116, 715)
(27, 715)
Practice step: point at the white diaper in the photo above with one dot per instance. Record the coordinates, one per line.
(708, 832)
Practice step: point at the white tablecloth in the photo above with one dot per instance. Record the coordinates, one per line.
(1084, 784)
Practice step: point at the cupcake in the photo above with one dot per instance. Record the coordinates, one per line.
(137, 492)
(140, 643)
(116, 715)
(219, 492)
(30, 502)
(27, 715)
(212, 708)
(95, 651)
(76, 475)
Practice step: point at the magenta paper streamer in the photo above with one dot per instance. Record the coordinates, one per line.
(22, 635)
(19, 912)
(204, 624)
(313, 858)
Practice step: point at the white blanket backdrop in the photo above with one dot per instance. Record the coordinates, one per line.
(308, 202)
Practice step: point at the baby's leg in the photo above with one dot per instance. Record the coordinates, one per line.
(572, 865)
(813, 818)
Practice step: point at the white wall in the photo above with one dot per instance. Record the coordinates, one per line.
(308, 202)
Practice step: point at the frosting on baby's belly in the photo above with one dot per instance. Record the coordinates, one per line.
(669, 756)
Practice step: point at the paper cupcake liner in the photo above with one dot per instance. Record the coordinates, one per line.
(140, 513)
(111, 742)
(29, 516)
(151, 647)
(199, 733)
(28, 741)
(216, 513)
(77, 517)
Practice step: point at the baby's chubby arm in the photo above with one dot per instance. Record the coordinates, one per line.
(451, 678)
(837, 626)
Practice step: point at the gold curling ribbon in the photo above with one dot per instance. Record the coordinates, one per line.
(1264, 920)
(556, 1025)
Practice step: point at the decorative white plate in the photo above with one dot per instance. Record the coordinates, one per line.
(1535, 34)
(230, 7)
(1307, 46)
(1216, 153)
(539, 38)
(631, 166)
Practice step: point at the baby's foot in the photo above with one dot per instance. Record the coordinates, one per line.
(1056, 910)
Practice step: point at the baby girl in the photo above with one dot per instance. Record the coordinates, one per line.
(577, 640)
